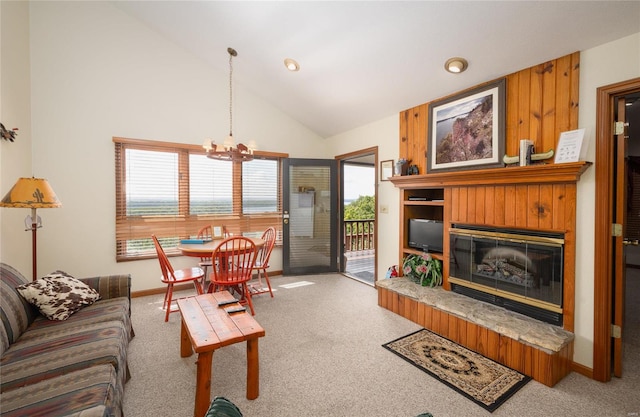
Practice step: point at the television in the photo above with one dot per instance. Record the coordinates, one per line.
(426, 235)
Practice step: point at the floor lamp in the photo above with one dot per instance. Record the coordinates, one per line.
(33, 193)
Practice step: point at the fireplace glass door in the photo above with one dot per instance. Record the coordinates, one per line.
(522, 267)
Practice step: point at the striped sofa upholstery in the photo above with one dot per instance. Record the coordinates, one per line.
(60, 368)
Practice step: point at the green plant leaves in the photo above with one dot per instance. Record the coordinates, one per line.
(423, 269)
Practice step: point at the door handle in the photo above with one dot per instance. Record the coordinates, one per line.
(632, 242)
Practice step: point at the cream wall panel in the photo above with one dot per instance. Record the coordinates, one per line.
(383, 134)
(15, 111)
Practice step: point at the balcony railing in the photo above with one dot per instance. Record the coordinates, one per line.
(358, 235)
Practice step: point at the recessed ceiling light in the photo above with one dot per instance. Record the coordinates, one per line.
(291, 64)
(456, 65)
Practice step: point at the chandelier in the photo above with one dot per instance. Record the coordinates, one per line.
(228, 151)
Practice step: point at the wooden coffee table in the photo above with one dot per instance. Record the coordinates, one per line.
(206, 326)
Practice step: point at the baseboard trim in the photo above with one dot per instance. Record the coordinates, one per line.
(582, 370)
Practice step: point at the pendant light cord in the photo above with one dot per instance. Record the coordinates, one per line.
(232, 53)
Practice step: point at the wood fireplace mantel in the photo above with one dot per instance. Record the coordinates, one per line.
(532, 174)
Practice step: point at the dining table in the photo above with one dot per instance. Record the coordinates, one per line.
(205, 249)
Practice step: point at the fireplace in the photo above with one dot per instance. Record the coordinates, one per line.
(515, 269)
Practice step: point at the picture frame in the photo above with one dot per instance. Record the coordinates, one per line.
(386, 169)
(467, 130)
(217, 232)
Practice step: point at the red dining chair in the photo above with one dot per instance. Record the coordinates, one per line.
(171, 277)
(262, 262)
(205, 261)
(234, 259)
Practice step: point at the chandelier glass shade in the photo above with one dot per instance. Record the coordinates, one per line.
(228, 150)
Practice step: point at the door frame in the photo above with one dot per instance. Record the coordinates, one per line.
(342, 158)
(604, 193)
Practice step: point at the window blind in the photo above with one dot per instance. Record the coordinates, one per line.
(172, 190)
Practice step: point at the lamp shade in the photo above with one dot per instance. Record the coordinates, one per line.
(31, 193)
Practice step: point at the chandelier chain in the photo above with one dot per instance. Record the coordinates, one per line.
(228, 151)
(230, 94)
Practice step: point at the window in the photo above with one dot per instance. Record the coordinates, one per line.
(260, 186)
(210, 186)
(172, 190)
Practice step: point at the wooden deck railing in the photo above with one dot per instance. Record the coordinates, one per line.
(358, 235)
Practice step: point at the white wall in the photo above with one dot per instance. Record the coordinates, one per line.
(607, 64)
(15, 112)
(97, 73)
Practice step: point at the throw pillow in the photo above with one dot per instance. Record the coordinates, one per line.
(58, 295)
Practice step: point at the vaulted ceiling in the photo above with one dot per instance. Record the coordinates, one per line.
(362, 61)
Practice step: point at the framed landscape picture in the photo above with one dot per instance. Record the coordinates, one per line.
(467, 130)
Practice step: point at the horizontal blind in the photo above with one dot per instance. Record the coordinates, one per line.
(210, 186)
(260, 186)
(172, 190)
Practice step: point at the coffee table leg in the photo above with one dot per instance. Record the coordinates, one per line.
(253, 369)
(185, 343)
(203, 384)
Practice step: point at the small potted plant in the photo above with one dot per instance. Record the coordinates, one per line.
(423, 269)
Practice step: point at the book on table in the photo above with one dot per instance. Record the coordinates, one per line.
(195, 241)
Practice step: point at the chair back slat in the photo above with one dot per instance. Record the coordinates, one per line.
(234, 259)
(269, 237)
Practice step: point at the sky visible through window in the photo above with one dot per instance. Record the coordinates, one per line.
(358, 181)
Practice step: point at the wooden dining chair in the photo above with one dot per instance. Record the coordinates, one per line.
(172, 277)
(205, 261)
(234, 259)
(262, 263)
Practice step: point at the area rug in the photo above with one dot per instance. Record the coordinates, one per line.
(485, 382)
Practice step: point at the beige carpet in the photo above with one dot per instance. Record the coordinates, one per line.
(322, 356)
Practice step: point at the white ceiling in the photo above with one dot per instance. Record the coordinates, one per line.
(362, 61)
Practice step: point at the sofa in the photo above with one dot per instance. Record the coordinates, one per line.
(75, 366)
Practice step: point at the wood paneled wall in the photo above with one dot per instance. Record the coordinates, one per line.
(541, 102)
(533, 206)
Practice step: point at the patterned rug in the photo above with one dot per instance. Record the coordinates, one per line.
(478, 378)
